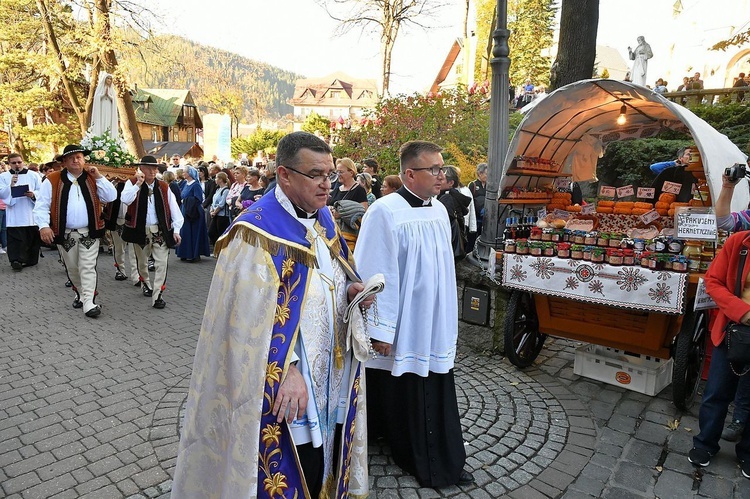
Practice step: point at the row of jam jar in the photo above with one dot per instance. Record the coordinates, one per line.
(596, 254)
(607, 240)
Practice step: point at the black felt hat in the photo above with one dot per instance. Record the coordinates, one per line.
(148, 161)
(72, 149)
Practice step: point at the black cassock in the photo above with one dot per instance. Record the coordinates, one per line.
(418, 417)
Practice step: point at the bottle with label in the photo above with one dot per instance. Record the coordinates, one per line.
(507, 232)
(692, 251)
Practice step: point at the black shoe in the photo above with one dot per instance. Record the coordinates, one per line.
(151, 265)
(17, 266)
(465, 478)
(68, 284)
(699, 457)
(77, 303)
(733, 431)
(94, 312)
(119, 276)
(146, 290)
(138, 283)
(745, 465)
(159, 303)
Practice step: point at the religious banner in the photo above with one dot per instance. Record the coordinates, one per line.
(629, 287)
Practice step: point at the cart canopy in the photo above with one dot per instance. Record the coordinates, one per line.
(572, 126)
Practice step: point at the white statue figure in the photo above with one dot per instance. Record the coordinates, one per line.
(104, 117)
(640, 57)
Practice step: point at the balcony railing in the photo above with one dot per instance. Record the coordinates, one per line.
(712, 96)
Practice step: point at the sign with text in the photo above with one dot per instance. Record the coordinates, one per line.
(671, 187)
(695, 223)
(588, 209)
(649, 217)
(607, 191)
(625, 191)
(646, 192)
(541, 213)
(562, 184)
(561, 214)
(703, 300)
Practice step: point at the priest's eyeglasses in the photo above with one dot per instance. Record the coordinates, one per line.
(434, 170)
(331, 177)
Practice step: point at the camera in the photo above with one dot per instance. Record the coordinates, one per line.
(736, 172)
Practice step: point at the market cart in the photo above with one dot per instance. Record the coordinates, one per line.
(642, 316)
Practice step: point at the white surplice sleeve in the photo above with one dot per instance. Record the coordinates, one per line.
(377, 252)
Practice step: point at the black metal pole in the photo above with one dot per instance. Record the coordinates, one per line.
(498, 145)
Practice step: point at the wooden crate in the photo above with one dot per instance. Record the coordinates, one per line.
(647, 333)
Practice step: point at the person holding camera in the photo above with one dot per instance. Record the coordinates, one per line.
(726, 282)
(726, 219)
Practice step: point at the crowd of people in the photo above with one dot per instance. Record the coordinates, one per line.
(277, 228)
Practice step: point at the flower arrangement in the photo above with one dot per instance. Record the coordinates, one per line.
(107, 150)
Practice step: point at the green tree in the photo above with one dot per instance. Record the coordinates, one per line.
(455, 118)
(260, 140)
(531, 24)
(317, 123)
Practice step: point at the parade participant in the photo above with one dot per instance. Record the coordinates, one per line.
(272, 370)
(68, 212)
(19, 189)
(411, 390)
(114, 220)
(152, 224)
(194, 233)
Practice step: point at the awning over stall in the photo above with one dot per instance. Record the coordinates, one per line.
(572, 125)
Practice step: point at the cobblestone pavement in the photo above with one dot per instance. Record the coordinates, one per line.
(92, 408)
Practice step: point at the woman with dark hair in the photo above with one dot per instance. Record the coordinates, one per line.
(253, 181)
(194, 233)
(457, 206)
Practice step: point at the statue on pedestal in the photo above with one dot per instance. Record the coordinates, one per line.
(640, 57)
(104, 118)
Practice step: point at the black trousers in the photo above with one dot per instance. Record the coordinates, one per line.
(418, 417)
(24, 244)
(311, 460)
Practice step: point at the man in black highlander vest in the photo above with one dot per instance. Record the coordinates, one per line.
(152, 224)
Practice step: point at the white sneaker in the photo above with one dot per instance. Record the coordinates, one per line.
(2, 251)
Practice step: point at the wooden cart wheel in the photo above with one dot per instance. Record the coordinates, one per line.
(689, 357)
(523, 341)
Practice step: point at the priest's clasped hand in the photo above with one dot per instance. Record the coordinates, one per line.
(354, 289)
(291, 400)
(381, 347)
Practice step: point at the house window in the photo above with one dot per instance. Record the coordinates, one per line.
(146, 106)
(334, 94)
(190, 134)
(187, 112)
(175, 135)
(154, 134)
(366, 95)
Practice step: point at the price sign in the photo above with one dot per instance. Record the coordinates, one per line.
(541, 213)
(671, 187)
(625, 191)
(562, 214)
(695, 223)
(646, 192)
(703, 300)
(588, 209)
(562, 184)
(607, 191)
(649, 217)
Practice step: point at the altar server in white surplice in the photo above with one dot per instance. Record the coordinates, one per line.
(411, 391)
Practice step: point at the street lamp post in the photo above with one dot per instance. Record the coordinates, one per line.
(498, 145)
